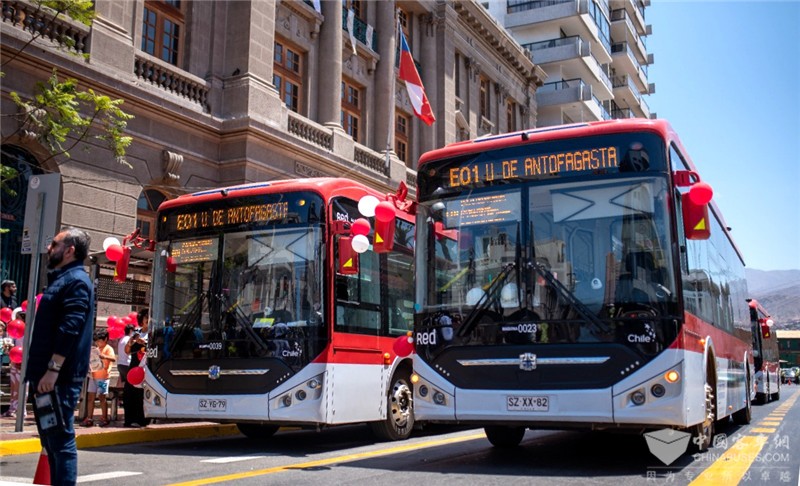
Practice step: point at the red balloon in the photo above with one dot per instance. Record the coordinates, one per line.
(384, 211)
(24, 306)
(134, 316)
(360, 227)
(701, 193)
(5, 314)
(114, 252)
(38, 299)
(127, 320)
(403, 346)
(16, 328)
(135, 375)
(172, 267)
(115, 332)
(113, 321)
(15, 354)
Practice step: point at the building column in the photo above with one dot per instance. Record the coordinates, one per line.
(329, 95)
(248, 65)
(428, 54)
(114, 34)
(384, 95)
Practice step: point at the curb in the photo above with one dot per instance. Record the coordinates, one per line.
(130, 436)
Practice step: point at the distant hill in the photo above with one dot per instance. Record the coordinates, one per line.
(779, 292)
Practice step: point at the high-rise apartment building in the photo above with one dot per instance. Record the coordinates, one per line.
(593, 51)
(230, 92)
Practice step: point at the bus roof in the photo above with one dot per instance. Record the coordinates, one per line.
(522, 137)
(325, 186)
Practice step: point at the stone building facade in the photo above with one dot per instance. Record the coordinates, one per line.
(232, 92)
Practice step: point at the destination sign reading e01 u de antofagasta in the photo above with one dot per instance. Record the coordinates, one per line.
(534, 166)
(217, 218)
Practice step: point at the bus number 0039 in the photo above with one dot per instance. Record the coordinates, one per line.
(515, 403)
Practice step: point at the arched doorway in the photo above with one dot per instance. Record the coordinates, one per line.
(13, 265)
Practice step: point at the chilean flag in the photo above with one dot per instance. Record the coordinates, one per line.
(416, 92)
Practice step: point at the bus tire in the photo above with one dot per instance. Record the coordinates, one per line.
(745, 415)
(257, 431)
(503, 436)
(703, 433)
(399, 421)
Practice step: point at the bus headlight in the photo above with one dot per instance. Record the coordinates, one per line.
(658, 390)
(300, 395)
(638, 397)
(438, 398)
(423, 391)
(286, 400)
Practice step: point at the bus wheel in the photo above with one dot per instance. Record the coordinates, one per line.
(399, 421)
(503, 436)
(744, 416)
(257, 431)
(703, 432)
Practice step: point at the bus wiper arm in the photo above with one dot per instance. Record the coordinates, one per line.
(576, 304)
(485, 301)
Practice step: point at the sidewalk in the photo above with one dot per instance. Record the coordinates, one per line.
(27, 441)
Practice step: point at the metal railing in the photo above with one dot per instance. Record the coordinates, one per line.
(514, 6)
(360, 31)
(560, 85)
(551, 43)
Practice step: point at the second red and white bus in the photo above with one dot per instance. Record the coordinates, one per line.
(577, 276)
(264, 313)
(766, 356)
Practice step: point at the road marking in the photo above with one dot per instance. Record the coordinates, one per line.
(333, 460)
(763, 430)
(733, 464)
(770, 423)
(87, 478)
(226, 460)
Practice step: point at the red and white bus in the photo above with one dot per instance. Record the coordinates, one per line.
(577, 276)
(766, 356)
(264, 313)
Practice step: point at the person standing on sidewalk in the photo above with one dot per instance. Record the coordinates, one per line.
(123, 358)
(133, 401)
(9, 294)
(14, 370)
(58, 358)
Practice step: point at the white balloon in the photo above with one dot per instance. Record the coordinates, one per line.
(366, 205)
(360, 243)
(110, 241)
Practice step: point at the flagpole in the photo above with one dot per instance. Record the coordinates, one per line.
(393, 97)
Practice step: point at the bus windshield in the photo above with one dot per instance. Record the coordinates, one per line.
(246, 294)
(549, 263)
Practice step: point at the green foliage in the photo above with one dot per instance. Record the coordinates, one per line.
(60, 112)
(60, 115)
(79, 10)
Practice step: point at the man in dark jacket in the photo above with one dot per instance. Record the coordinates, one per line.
(58, 358)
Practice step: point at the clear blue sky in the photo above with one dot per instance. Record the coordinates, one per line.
(727, 78)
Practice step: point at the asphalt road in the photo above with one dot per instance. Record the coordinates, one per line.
(765, 452)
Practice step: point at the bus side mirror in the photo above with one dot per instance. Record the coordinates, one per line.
(121, 268)
(696, 225)
(348, 258)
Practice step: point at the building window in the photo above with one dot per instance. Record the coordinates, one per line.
(357, 6)
(288, 75)
(351, 110)
(162, 30)
(405, 24)
(148, 204)
(401, 136)
(458, 75)
(511, 116)
(484, 101)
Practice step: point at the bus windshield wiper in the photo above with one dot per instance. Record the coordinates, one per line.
(564, 292)
(485, 300)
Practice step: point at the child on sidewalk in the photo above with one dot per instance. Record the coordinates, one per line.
(99, 365)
